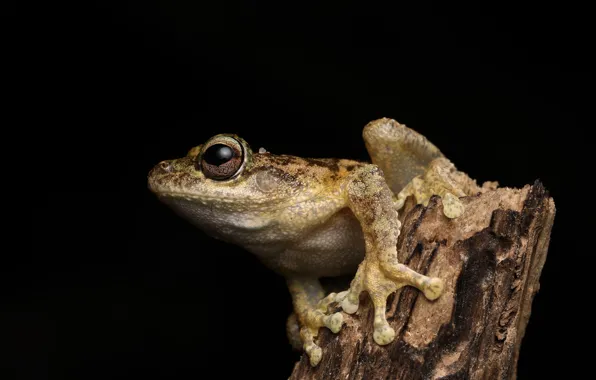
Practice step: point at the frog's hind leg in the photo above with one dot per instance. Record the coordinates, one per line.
(311, 308)
(443, 179)
(399, 151)
(413, 166)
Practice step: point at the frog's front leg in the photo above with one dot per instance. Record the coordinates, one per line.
(311, 307)
(380, 274)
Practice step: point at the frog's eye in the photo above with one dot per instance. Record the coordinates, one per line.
(221, 159)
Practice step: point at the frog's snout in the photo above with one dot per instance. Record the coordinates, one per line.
(158, 171)
(164, 167)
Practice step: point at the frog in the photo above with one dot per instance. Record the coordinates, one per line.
(313, 218)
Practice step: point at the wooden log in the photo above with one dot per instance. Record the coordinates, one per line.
(490, 259)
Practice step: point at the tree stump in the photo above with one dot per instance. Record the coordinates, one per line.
(490, 259)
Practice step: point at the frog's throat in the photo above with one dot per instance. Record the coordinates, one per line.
(262, 203)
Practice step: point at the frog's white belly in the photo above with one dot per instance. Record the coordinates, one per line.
(332, 248)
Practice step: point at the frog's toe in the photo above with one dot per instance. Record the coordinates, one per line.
(315, 319)
(384, 335)
(315, 354)
(312, 318)
(334, 322)
(349, 300)
(452, 206)
(433, 288)
(380, 279)
(313, 351)
(346, 302)
(400, 199)
(310, 329)
(379, 287)
(348, 306)
(401, 275)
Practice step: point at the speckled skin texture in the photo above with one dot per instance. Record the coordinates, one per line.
(312, 218)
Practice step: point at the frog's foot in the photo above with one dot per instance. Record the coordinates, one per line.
(442, 179)
(312, 320)
(380, 279)
(311, 315)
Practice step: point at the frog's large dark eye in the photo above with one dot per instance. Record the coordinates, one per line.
(222, 159)
(218, 154)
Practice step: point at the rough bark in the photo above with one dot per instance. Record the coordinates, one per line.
(490, 259)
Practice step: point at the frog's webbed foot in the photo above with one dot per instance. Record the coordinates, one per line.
(380, 279)
(441, 178)
(311, 312)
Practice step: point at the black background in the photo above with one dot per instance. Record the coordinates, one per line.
(116, 286)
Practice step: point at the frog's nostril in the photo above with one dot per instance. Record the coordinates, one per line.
(165, 166)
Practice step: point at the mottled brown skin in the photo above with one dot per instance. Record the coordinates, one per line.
(312, 218)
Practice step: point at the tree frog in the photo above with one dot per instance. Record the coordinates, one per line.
(308, 218)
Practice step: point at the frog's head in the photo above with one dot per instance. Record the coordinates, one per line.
(223, 178)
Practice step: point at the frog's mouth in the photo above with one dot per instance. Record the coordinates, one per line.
(171, 188)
